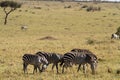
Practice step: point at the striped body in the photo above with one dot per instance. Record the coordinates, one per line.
(51, 58)
(33, 60)
(79, 57)
(85, 51)
(71, 58)
(115, 36)
(90, 59)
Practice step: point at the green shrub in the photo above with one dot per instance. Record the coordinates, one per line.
(93, 8)
(118, 31)
(90, 41)
(84, 6)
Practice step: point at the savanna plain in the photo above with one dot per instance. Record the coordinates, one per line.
(53, 27)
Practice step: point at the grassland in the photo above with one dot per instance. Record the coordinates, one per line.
(71, 27)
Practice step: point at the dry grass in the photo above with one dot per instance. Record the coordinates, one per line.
(71, 27)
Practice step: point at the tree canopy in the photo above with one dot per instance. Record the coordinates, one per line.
(11, 4)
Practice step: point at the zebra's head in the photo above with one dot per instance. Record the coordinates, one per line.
(92, 60)
(45, 63)
(44, 67)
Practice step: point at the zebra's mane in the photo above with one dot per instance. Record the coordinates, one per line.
(85, 51)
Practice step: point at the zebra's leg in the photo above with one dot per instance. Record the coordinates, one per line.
(53, 66)
(57, 67)
(42, 68)
(39, 68)
(93, 68)
(35, 69)
(63, 68)
(84, 69)
(25, 67)
(79, 67)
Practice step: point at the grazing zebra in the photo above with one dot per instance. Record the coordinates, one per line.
(24, 27)
(71, 58)
(115, 36)
(85, 51)
(52, 58)
(33, 60)
(67, 60)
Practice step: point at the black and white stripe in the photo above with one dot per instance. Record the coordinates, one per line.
(115, 36)
(24, 27)
(34, 60)
(79, 57)
(90, 59)
(52, 58)
(69, 59)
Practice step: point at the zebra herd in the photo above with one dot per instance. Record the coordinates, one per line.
(81, 57)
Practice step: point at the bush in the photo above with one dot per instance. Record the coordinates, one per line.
(118, 71)
(90, 41)
(69, 6)
(37, 7)
(118, 31)
(92, 8)
(84, 6)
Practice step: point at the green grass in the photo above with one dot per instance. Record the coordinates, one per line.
(72, 27)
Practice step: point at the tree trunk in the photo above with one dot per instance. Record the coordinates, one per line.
(7, 13)
(6, 16)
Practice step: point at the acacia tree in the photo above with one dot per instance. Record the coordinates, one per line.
(8, 7)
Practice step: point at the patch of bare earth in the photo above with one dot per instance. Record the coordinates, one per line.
(48, 38)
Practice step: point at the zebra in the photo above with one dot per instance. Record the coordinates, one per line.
(115, 36)
(67, 60)
(51, 58)
(34, 60)
(24, 27)
(71, 58)
(85, 51)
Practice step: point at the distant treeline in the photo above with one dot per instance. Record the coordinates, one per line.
(48, 0)
(77, 0)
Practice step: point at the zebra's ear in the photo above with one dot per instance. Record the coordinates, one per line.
(88, 57)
